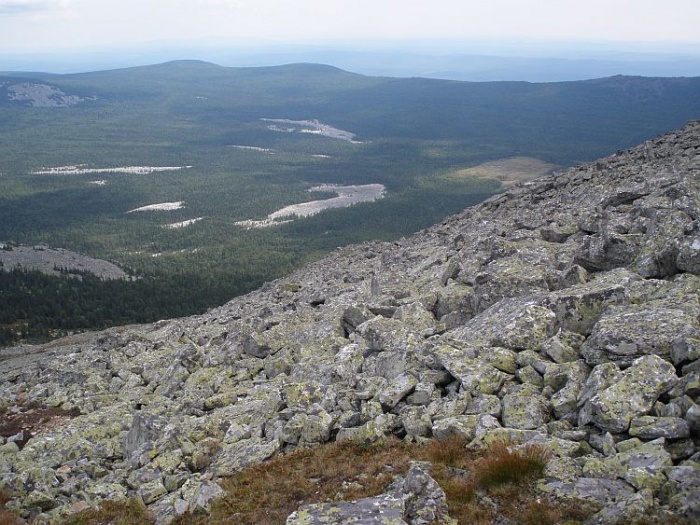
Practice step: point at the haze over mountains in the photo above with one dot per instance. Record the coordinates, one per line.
(526, 60)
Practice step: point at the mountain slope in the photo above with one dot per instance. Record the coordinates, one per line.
(564, 312)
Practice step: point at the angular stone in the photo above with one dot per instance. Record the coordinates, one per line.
(692, 416)
(529, 376)
(624, 333)
(600, 378)
(501, 359)
(397, 390)
(606, 468)
(384, 510)
(507, 277)
(317, 427)
(237, 456)
(517, 324)
(426, 502)
(417, 422)
(578, 308)
(347, 364)
(300, 396)
(633, 395)
(422, 394)
(559, 351)
(372, 431)
(649, 427)
(630, 509)
(476, 376)
(152, 491)
(525, 411)
(461, 426)
(485, 404)
(596, 490)
(145, 428)
(651, 456)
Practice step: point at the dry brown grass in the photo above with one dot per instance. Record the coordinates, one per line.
(6, 517)
(267, 493)
(480, 490)
(129, 512)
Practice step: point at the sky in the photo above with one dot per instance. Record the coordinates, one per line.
(55, 26)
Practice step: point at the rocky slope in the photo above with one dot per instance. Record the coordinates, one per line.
(564, 312)
(56, 261)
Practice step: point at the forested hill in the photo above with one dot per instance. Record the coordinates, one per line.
(165, 169)
(541, 118)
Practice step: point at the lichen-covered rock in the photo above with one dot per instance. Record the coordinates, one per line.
(579, 307)
(682, 491)
(518, 324)
(462, 426)
(633, 394)
(624, 333)
(415, 500)
(649, 427)
(396, 390)
(625, 510)
(525, 410)
(237, 456)
(475, 376)
(382, 510)
(426, 502)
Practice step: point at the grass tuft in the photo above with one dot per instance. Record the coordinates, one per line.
(503, 466)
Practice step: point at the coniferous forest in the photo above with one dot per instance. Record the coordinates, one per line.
(247, 142)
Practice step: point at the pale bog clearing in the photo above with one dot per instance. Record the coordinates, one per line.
(163, 206)
(346, 196)
(183, 224)
(80, 169)
(507, 171)
(254, 148)
(313, 127)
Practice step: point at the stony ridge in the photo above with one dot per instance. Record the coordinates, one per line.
(565, 312)
(56, 261)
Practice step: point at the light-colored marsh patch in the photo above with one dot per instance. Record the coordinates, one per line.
(162, 206)
(507, 171)
(182, 224)
(80, 169)
(346, 196)
(254, 148)
(313, 127)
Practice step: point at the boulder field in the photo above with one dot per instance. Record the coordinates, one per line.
(563, 312)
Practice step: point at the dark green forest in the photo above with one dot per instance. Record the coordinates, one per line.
(414, 136)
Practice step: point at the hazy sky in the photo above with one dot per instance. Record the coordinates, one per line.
(57, 25)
